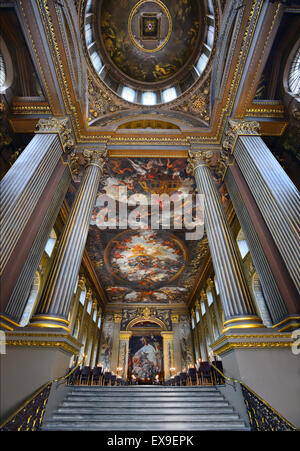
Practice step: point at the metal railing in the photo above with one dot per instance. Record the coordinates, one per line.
(262, 417)
(30, 415)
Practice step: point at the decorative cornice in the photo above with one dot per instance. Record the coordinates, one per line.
(59, 126)
(237, 128)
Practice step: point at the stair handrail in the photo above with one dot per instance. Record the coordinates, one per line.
(33, 423)
(270, 419)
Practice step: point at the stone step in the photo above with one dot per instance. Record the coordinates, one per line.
(157, 410)
(139, 388)
(130, 404)
(118, 399)
(237, 425)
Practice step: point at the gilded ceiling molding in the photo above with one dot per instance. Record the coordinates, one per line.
(60, 126)
(236, 128)
(198, 103)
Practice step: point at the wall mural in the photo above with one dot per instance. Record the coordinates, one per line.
(116, 20)
(106, 341)
(144, 266)
(145, 359)
(186, 345)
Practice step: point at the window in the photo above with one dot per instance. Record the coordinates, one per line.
(31, 301)
(51, 243)
(197, 316)
(294, 74)
(128, 94)
(97, 63)
(88, 34)
(210, 36)
(201, 63)
(82, 297)
(203, 308)
(169, 94)
(89, 307)
(2, 71)
(148, 98)
(210, 298)
(95, 315)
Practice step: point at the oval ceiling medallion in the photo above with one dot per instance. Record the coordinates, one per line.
(150, 25)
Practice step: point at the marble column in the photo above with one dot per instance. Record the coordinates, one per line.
(168, 353)
(17, 300)
(25, 199)
(238, 306)
(177, 349)
(56, 298)
(211, 287)
(275, 194)
(208, 316)
(124, 353)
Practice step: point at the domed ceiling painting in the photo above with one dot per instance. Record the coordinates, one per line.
(149, 41)
(138, 262)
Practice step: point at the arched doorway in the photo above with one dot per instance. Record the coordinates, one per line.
(147, 357)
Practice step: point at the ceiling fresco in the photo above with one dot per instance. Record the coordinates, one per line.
(149, 41)
(143, 262)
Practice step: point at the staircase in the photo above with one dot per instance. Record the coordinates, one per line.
(141, 408)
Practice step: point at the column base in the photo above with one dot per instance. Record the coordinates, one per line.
(242, 322)
(49, 321)
(32, 358)
(268, 363)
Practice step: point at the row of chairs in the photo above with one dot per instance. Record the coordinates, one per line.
(206, 374)
(93, 376)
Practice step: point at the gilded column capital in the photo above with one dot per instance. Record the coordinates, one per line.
(174, 318)
(117, 317)
(61, 126)
(125, 335)
(236, 128)
(197, 158)
(95, 157)
(167, 336)
(89, 294)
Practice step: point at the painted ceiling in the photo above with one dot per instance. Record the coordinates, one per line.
(144, 262)
(149, 41)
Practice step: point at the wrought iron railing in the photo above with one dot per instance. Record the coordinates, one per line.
(262, 417)
(29, 416)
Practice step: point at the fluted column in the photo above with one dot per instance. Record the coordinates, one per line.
(21, 190)
(55, 302)
(115, 343)
(177, 349)
(276, 196)
(123, 353)
(239, 310)
(168, 353)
